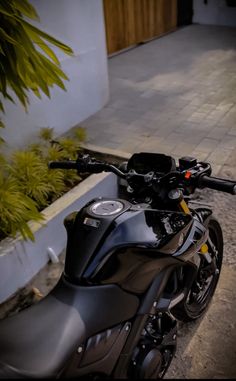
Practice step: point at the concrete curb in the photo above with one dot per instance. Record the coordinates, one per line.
(21, 260)
(107, 151)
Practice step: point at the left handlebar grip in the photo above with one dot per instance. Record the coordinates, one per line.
(67, 164)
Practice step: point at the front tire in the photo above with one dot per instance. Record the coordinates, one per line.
(204, 286)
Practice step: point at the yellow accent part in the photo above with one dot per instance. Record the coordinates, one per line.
(184, 207)
(204, 249)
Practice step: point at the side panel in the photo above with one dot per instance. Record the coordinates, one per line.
(195, 238)
(99, 354)
(133, 269)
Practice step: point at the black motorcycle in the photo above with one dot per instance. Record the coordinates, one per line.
(134, 266)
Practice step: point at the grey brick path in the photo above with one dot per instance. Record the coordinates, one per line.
(176, 95)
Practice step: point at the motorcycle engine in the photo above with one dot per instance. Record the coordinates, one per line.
(156, 348)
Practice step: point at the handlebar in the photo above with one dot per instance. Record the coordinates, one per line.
(66, 164)
(215, 183)
(198, 179)
(85, 166)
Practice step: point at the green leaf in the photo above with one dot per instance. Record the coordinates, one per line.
(31, 28)
(46, 49)
(27, 62)
(20, 93)
(1, 107)
(5, 36)
(55, 71)
(9, 98)
(26, 8)
(36, 92)
(6, 13)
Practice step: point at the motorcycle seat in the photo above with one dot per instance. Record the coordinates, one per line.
(39, 341)
(36, 341)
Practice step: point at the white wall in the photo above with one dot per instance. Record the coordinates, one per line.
(216, 12)
(21, 260)
(80, 24)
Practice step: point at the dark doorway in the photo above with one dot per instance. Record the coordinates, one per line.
(185, 12)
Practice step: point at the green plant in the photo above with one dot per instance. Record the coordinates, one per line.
(27, 185)
(63, 148)
(46, 133)
(80, 134)
(16, 209)
(31, 176)
(2, 160)
(35, 179)
(55, 180)
(70, 148)
(53, 153)
(36, 148)
(23, 67)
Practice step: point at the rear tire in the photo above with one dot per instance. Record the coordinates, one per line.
(196, 303)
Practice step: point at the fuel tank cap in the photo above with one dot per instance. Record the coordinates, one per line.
(106, 207)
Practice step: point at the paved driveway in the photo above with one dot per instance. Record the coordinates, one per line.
(175, 94)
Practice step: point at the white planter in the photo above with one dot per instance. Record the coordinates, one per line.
(21, 260)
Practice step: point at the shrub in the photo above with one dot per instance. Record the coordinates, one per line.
(80, 134)
(63, 148)
(46, 133)
(27, 185)
(15, 210)
(32, 177)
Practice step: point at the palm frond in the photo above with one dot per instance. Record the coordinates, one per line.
(23, 67)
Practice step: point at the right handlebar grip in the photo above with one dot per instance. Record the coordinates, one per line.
(215, 183)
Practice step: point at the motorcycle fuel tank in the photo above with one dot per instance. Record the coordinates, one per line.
(108, 237)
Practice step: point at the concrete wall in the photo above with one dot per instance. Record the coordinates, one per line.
(80, 24)
(21, 260)
(215, 12)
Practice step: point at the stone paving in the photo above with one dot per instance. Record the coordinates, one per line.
(175, 94)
